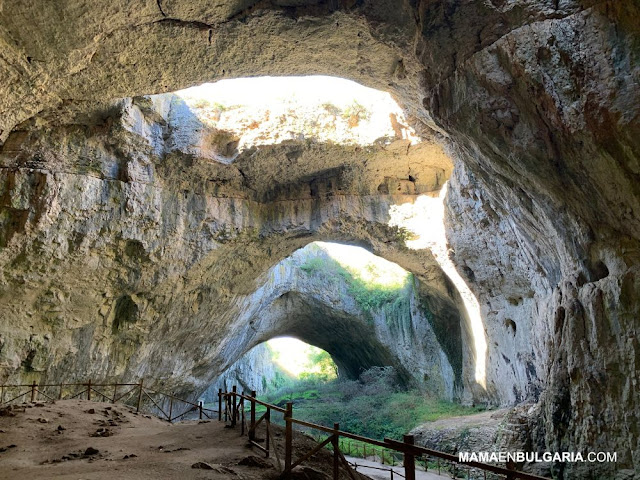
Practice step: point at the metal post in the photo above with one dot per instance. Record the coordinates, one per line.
(89, 390)
(139, 395)
(170, 408)
(336, 451)
(288, 450)
(252, 432)
(33, 391)
(200, 407)
(219, 404)
(409, 460)
(234, 407)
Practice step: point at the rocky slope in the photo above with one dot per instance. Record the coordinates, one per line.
(537, 101)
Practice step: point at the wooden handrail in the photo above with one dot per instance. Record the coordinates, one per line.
(406, 447)
(88, 387)
(83, 384)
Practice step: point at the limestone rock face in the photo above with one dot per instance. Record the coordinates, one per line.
(255, 370)
(544, 220)
(129, 257)
(318, 307)
(536, 100)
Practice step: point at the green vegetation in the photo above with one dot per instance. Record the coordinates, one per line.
(371, 295)
(373, 406)
(355, 113)
(203, 103)
(321, 367)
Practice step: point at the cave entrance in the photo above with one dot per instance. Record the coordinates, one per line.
(363, 310)
(232, 120)
(282, 362)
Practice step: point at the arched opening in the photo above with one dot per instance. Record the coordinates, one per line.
(363, 310)
(235, 191)
(273, 365)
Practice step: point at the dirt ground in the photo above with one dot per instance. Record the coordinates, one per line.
(83, 440)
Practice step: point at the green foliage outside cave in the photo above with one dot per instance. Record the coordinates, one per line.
(374, 406)
(370, 295)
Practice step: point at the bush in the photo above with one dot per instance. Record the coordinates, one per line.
(313, 265)
(373, 406)
(369, 295)
(355, 113)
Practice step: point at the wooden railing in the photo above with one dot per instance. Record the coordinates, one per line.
(231, 408)
(136, 395)
(231, 405)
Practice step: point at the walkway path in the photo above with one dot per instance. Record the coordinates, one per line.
(380, 475)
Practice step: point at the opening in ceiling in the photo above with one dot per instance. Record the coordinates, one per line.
(238, 114)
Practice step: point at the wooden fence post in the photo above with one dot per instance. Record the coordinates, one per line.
(33, 391)
(267, 442)
(336, 451)
(242, 414)
(409, 460)
(219, 404)
(139, 395)
(1, 394)
(170, 408)
(288, 450)
(60, 394)
(89, 390)
(252, 432)
(234, 407)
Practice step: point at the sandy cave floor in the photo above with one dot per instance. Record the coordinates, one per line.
(43, 441)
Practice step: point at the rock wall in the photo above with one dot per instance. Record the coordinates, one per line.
(125, 257)
(543, 219)
(319, 308)
(255, 370)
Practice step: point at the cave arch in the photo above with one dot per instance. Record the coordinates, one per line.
(320, 307)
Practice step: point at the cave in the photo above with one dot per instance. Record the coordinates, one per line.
(123, 255)
(310, 296)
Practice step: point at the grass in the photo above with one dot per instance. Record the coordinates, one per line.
(372, 406)
(371, 296)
